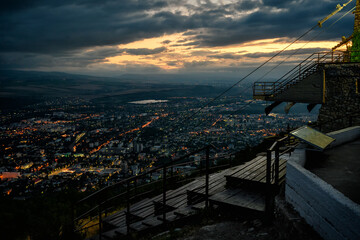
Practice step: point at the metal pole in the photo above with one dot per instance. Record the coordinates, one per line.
(164, 194)
(268, 209)
(100, 222)
(73, 217)
(171, 176)
(277, 164)
(207, 178)
(268, 167)
(128, 207)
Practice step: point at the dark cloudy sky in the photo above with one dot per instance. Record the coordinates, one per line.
(114, 37)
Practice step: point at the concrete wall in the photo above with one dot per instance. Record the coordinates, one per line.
(328, 211)
(344, 135)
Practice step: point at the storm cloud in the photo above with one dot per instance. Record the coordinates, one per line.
(83, 32)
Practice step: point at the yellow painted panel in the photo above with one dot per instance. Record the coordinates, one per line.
(313, 137)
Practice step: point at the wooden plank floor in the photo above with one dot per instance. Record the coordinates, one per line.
(240, 198)
(154, 221)
(254, 170)
(176, 198)
(217, 181)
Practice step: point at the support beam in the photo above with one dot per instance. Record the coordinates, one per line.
(311, 106)
(288, 106)
(269, 108)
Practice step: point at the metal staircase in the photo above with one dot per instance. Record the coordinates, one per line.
(268, 90)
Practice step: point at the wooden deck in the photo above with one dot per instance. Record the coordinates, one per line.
(241, 187)
(253, 174)
(246, 187)
(240, 198)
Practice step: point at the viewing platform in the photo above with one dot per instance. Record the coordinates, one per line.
(243, 188)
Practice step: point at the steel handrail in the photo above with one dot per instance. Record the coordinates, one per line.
(144, 174)
(127, 181)
(300, 71)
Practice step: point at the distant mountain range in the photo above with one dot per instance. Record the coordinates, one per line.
(56, 84)
(21, 88)
(32, 85)
(28, 83)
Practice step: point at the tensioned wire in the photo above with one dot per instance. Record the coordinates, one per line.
(249, 74)
(295, 52)
(257, 68)
(246, 76)
(260, 66)
(253, 71)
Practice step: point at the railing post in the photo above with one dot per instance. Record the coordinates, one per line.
(127, 207)
(299, 71)
(277, 164)
(106, 212)
(268, 197)
(171, 176)
(73, 217)
(207, 178)
(164, 194)
(100, 222)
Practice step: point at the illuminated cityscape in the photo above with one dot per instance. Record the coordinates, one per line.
(63, 144)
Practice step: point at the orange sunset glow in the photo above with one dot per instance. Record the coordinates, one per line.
(170, 37)
(175, 57)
